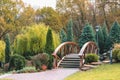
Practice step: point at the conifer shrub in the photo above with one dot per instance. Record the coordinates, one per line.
(17, 62)
(86, 35)
(63, 36)
(40, 59)
(7, 48)
(49, 47)
(69, 26)
(91, 58)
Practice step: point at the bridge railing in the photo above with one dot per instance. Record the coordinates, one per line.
(63, 50)
(89, 47)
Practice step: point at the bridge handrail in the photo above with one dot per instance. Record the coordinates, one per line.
(61, 45)
(82, 51)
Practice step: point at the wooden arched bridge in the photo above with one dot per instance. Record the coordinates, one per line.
(69, 54)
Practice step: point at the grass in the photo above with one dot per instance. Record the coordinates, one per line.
(103, 72)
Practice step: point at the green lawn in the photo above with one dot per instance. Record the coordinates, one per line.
(103, 72)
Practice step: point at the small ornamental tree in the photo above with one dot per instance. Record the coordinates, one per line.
(49, 47)
(87, 35)
(7, 49)
(70, 31)
(115, 33)
(63, 36)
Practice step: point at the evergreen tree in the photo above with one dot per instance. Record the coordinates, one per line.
(108, 44)
(49, 47)
(7, 48)
(87, 35)
(113, 36)
(70, 31)
(100, 40)
(115, 33)
(105, 35)
(105, 32)
(63, 36)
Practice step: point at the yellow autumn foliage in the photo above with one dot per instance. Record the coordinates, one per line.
(117, 46)
(32, 40)
(2, 51)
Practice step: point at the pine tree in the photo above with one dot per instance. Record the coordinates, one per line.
(115, 33)
(49, 47)
(108, 44)
(113, 36)
(70, 31)
(87, 35)
(63, 36)
(7, 48)
(106, 39)
(105, 32)
(100, 40)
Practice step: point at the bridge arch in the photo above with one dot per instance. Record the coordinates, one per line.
(89, 47)
(72, 47)
(63, 50)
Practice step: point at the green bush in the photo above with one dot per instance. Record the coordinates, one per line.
(27, 70)
(17, 62)
(39, 60)
(91, 58)
(44, 59)
(116, 55)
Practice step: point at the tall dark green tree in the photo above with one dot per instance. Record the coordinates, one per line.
(70, 30)
(100, 40)
(113, 37)
(63, 36)
(7, 48)
(87, 35)
(115, 33)
(105, 35)
(105, 32)
(108, 44)
(49, 47)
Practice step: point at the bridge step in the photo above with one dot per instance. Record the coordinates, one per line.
(70, 61)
